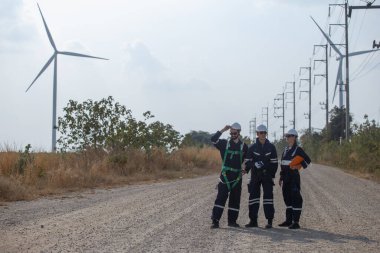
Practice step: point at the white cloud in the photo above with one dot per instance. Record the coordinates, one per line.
(15, 30)
(76, 46)
(139, 58)
(9, 9)
(144, 68)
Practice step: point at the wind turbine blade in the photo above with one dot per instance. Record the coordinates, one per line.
(42, 70)
(82, 55)
(338, 77)
(327, 38)
(362, 52)
(47, 30)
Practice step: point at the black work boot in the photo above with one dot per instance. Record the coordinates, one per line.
(252, 224)
(215, 224)
(285, 224)
(269, 225)
(295, 225)
(233, 224)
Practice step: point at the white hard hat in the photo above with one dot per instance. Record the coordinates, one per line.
(236, 126)
(261, 128)
(292, 132)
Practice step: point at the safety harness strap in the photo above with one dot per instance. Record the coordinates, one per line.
(226, 168)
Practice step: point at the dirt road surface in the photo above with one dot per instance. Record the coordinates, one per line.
(341, 214)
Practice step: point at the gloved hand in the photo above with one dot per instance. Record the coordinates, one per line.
(259, 164)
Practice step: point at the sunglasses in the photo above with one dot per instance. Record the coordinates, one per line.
(234, 133)
(262, 132)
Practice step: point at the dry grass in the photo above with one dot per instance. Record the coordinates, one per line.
(29, 175)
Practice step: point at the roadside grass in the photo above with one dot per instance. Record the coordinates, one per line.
(362, 160)
(28, 175)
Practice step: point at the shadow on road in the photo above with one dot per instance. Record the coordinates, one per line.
(303, 235)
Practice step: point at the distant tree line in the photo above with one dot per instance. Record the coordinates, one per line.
(197, 139)
(108, 125)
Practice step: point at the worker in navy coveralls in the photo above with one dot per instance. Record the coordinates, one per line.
(290, 180)
(262, 162)
(233, 152)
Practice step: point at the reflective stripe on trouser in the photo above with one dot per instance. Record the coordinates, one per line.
(254, 198)
(233, 202)
(293, 199)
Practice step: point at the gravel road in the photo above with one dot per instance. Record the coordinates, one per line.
(341, 214)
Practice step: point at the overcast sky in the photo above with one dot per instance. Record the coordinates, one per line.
(196, 64)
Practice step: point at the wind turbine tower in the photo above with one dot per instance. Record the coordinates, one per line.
(54, 58)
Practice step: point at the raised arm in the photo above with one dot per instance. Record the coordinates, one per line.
(215, 139)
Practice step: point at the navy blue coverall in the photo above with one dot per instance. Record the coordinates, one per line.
(291, 188)
(262, 161)
(234, 161)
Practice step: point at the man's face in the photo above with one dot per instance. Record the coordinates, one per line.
(234, 134)
(262, 135)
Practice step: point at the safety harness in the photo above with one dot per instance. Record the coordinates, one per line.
(226, 168)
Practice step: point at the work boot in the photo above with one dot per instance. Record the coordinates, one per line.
(233, 224)
(215, 224)
(269, 225)
(285, 224)
(252, 224)
(295, 225)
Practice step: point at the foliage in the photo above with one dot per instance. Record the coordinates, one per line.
(337, 124)
(142, 135)
(361, 153)
(107, 125)
(25, 157)
(197, 139)
(366, 145)
(91, 124)
(311, 143)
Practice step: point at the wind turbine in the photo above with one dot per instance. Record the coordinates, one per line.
(340, 57)
(54, 58)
